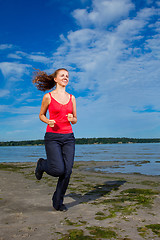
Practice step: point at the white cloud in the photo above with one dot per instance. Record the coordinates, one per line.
(150, 1)
(13, 70)
(35, 57)
(14, 55)
(98, 52)
(22, 127)
(103, 13)
(15, 132)
(5, 46)
(81, 37)
(38, 58)
(23, 110)
(158, 3)
(119, 67)
(4, 93)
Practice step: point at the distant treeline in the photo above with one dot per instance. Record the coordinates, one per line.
(86, 141)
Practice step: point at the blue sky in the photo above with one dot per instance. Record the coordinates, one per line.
(111, 49)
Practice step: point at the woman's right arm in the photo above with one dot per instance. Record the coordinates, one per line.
(44, 107)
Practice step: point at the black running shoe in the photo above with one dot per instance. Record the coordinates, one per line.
(63, 208)
(38, 171)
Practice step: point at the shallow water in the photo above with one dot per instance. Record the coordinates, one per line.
(129, 153)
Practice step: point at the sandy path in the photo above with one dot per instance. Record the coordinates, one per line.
(26, 211)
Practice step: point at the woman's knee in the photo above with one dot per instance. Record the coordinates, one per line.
(56, 171)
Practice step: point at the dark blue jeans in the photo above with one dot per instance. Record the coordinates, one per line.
(60, 149)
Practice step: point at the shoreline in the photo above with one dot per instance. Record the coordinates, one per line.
(85, 141)
(115, 167)
(100, 205)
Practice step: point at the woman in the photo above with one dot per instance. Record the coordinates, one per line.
(59, 137)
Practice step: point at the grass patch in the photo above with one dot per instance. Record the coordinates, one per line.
(142, 197)
(76, 224)
(155, 228)
(135, 196)
(123, 210)
(126, 202)
(139, 196)
(69, 222)
(49, 181)
(150, 183)
(142, 231)
(75, 234)
(145, 230)
(112, 214)
(12, 167)
(77, 165)
(100, 216)
(100, 213)
(77, 179)
(100, 232)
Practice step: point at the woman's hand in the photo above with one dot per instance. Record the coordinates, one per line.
(70, 117)
(51, 123)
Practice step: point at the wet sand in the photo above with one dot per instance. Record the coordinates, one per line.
(100, 205)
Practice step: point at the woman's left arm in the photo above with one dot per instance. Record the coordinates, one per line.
(74, 120)
(72, 117)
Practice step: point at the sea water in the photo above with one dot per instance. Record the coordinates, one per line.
(141, 158)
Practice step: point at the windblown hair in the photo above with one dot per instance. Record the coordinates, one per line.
(45, 82)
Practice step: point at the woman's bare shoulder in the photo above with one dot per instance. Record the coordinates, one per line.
(46, 97)
(73, 97)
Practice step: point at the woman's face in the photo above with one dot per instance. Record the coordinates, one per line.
(62, 78)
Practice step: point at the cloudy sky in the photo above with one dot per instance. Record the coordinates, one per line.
(111, 49)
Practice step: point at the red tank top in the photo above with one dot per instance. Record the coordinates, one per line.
(58, 112)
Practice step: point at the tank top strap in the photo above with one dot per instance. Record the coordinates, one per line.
(70, 97)
(50, 96)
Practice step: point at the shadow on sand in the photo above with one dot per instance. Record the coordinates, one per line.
(97, 192)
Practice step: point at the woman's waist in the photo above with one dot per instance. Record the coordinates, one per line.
(59, 119)
(60, 128)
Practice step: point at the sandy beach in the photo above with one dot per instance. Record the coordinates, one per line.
(100, 205)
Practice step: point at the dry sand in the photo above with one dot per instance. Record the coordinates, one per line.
(100, 205)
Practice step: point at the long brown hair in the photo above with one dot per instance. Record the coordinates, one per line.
(43, 81)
